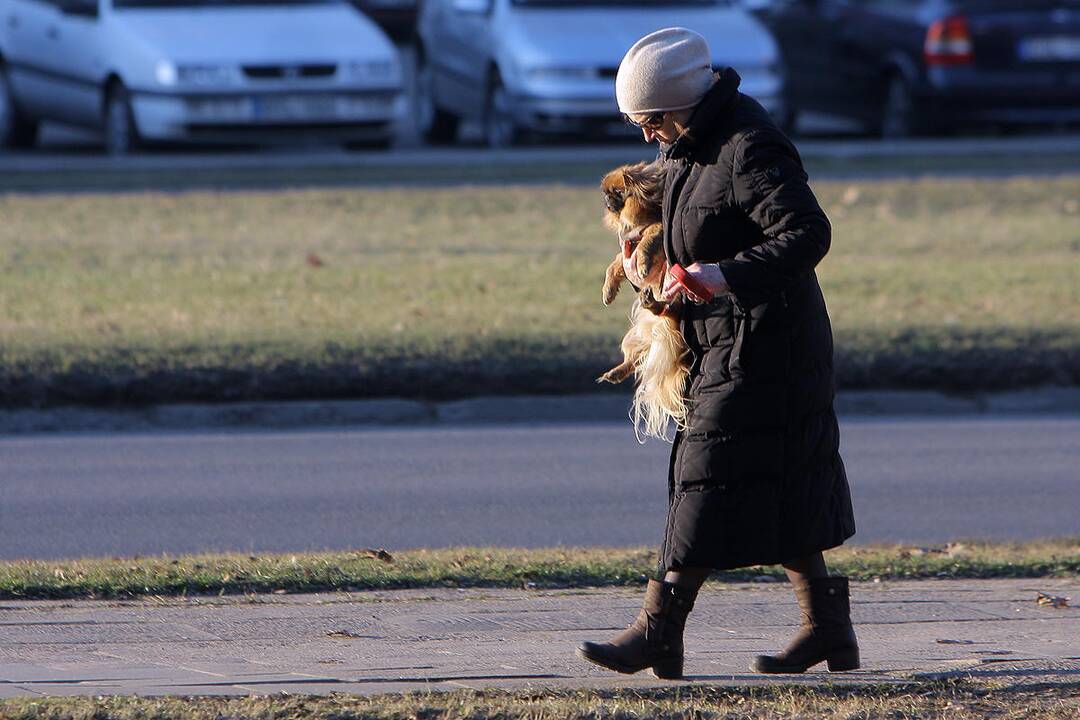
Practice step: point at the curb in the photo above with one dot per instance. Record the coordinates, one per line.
(513, 409)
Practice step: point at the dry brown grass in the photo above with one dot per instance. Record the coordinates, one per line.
(153, 296)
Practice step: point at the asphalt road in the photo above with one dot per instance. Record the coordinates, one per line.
(913, 480)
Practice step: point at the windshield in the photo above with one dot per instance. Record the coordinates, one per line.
(122, 4)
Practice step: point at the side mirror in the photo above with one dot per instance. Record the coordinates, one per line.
(79, 8)
(472, 7)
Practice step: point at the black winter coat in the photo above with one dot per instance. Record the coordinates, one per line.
(756, 477)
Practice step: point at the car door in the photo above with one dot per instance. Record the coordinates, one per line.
(26, 51)
(74, 60)
(464, 56)
(802, 33)
(878, 36)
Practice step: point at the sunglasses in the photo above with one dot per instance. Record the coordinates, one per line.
(652, 122)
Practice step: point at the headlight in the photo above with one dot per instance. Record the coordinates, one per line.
(165, 72)
(373, 71)
(208, 75)
(557, 73)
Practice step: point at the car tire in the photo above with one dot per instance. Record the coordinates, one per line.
(500, 130)
(898, 110)
(121, 133)
(16, 131)
(435, 125)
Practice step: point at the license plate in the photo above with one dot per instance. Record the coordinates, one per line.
(1049, 49)
(317, 107)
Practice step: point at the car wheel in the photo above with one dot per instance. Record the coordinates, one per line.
(500, 131)
(435, 125)
(121, 134)
(15, 130)
(898, 110)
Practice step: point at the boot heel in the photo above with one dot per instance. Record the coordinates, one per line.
(844, 660)
(668, 669)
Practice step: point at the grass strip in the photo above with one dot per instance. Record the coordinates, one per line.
(956, 699)
(434, 293)
(489, 567)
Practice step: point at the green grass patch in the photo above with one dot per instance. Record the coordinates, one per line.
(154, 297)
(953, 699)
(489, 567)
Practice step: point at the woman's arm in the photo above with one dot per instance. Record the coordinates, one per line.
(770, 186)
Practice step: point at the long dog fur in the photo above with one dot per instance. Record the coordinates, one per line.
(654, 350)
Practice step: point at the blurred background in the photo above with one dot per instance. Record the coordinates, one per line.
(137, 74)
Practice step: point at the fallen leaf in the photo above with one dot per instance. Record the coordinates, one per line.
(1052, 600)
(379, 554)
(342, 634)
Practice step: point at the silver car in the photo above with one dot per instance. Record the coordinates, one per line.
(210, 70)
(549, 65)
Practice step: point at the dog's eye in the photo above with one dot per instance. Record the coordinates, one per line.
(614, 201)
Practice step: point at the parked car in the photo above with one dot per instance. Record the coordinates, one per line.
(207, 70)
(549, 66)
(396, 17)
(911, 66)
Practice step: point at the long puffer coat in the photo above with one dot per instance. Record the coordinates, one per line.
(756, 477)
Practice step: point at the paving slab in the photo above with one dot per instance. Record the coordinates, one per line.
(444, 639)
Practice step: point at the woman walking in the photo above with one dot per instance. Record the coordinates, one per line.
(756, 476)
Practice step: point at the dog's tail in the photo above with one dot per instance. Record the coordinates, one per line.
(662, 368)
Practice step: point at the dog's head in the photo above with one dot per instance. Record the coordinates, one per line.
(636, 190)
(614, 188)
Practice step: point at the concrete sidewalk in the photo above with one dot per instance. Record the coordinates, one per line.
(446, 639)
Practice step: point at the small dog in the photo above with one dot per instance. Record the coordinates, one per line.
(653, 348)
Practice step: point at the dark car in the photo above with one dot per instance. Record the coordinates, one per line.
(397, 18)
(916, 66)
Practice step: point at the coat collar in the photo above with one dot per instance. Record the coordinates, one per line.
(703, 124)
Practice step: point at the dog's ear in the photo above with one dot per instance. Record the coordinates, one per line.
(634, 177)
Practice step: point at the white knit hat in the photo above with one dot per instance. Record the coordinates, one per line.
(669, 69)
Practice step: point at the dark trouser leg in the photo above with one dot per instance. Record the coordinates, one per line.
(806, 568)
(826, 633)
(689, 578)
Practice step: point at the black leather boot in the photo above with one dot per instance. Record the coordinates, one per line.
(825, 633)
(654, 640)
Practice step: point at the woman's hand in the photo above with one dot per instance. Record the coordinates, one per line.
(706, 274)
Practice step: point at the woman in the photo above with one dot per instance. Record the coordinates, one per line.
(756, 476)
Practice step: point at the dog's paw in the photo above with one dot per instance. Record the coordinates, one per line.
(650, 303)
(610, 291)
(614, 376)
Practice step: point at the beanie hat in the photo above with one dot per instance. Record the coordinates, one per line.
(669, 69)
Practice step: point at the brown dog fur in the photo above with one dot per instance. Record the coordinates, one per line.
(653, 348)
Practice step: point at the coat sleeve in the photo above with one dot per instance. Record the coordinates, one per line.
(771, 187)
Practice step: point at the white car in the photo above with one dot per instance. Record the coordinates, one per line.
(549, 65)
(204, 70)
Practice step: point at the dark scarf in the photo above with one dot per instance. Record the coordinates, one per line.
(708, 113)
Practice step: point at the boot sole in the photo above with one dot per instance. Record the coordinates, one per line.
(664, 670)
(841, 661)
